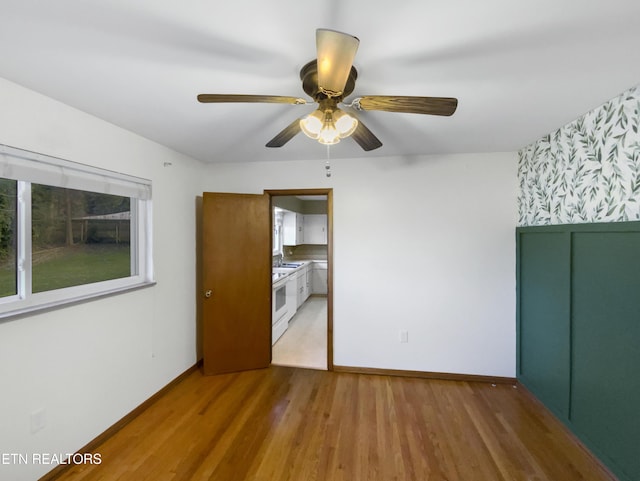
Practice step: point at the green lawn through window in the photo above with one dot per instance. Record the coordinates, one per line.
(73, 266)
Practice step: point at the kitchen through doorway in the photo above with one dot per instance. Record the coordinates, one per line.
(302, 255)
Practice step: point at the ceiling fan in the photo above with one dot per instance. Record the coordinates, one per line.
(328, 80)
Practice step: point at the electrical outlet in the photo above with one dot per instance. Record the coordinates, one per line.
(404, 336)
(38, 420)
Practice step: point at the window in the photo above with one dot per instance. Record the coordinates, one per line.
(278, 215)
(8, 258)
(78, 237)
(69, 232)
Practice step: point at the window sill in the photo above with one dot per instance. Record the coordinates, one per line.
(52, 305)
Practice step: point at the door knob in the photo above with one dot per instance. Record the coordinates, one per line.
(208, 293)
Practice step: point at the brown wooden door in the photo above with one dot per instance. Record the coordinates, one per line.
(236, 277)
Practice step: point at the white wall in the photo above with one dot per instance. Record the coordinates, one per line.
(425, 244)
(89, 365)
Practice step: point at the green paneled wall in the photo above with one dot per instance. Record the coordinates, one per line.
(606, 343)
(544, 355)
(579, 333)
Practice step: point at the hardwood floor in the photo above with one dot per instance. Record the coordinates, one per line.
(284, 423)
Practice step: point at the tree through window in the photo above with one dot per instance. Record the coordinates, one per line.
(78, 237)
(69, 232)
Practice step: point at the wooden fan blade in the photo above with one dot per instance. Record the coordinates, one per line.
(365, 138)
(269, 99)
(285, 135)
(414, 105)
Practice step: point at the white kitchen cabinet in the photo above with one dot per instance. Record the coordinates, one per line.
(301, 279)
(319, 278)
(315, 228)
(293, 228)
(308, 269)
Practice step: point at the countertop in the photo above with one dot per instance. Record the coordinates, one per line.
(281, 273)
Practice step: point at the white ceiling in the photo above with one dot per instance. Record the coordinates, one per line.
(520, 69)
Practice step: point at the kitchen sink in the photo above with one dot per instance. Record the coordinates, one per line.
(286, 268)
(281, 270)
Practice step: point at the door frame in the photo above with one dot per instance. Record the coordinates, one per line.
(329, 193)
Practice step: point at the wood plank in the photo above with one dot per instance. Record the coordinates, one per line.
(416, 105)
(94, 444)
(285, 423)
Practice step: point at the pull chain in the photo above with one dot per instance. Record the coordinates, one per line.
(327, 165)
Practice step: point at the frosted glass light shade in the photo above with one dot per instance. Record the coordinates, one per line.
(329, 126)
(345, 124)
(329, 135)
(336, 51)
(312, 124)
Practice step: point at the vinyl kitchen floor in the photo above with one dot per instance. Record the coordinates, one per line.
(304, 343)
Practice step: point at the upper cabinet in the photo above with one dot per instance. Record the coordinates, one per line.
(304, 229)
(304, 220)
(315, 229)
(293, 226)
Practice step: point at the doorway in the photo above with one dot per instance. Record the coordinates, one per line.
(306, 338)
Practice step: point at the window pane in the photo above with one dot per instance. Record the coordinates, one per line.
(78, 237)
(8, 215)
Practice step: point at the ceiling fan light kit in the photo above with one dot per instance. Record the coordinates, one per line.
(328, 124)
(328, 79)
(328, 127)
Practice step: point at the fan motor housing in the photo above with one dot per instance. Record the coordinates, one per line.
(309, 77)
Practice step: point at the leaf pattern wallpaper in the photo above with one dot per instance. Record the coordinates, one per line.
(586, 171)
